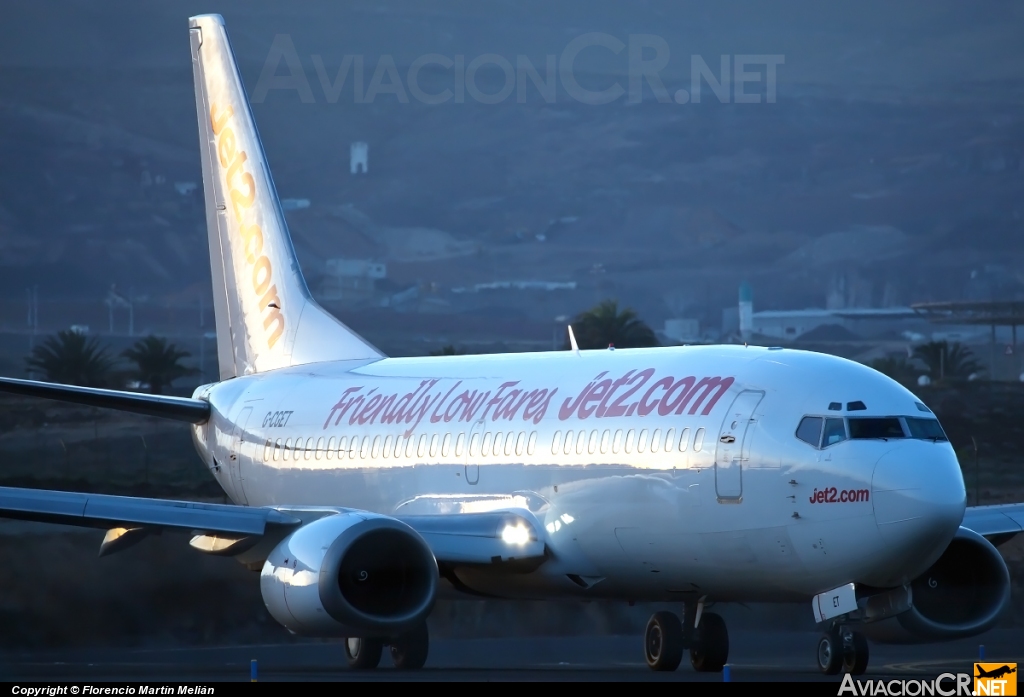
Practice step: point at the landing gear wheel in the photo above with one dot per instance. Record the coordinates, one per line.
(830, 652)
(409, 650)
(663, 641)
(855, 655)
(710, 650)
(363, 654)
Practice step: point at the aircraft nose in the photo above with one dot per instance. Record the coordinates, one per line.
(919, 499)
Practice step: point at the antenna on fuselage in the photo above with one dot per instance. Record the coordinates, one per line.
(572, 341)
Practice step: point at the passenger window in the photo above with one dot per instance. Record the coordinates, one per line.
(498, 439)
(510, 444)
(277, 449)
(656, 440)
(319, 448)
(592, 443)
(867, 428)
(684, 440)
(474, 444)
(385, 449)
(641, 442)
(330, 449)
(606, 441)
(556, 443)
(460, 444)
(835, 432)
(568, 443)
(421, 449)
(342, 447)
(375, 451)
(520, 443)
(433, 445)
(485, 449)
(266, 451)
(926, 429)
(581, 442)
(309, 449)
(670, 440)
(809, 430)
(617, 442)
(698, 440)
(398, 446)
(531, 444)
(628, 447)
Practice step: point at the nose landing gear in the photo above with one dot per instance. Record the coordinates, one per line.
(703, 633)
(840, 649)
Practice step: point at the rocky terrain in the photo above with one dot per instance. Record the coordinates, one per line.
(892, 161)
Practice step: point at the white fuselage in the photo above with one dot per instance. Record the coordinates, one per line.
(657, 474)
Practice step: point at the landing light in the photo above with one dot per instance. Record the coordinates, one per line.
(517, 534)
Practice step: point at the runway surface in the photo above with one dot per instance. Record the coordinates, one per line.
(754, 655)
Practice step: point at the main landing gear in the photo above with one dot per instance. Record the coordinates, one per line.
(841, 649)
(408, 650)
(704, 633)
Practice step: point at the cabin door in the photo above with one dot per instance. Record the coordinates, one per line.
(733, 447)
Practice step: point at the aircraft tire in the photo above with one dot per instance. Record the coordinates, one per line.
(363, 654)
(710, 650)
(663, 641)
(830, 652)
(409, 650)
(855, 657)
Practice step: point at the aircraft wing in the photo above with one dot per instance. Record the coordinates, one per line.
(194, 411)
(459, 539)
(105, 511)
(1000, 522)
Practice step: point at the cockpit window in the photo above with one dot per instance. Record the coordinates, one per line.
(884, 428)
(926, 429)
(835, 431)
(809, 430)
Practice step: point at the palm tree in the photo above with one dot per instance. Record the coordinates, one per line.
(448, 350)
(896, 367)
(945, 360)
(73, 359)
(157, 362)
(605, 325)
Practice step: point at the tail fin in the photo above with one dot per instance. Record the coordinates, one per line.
(265, 315)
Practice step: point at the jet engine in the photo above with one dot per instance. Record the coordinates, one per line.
(961, 595)
(350, 574)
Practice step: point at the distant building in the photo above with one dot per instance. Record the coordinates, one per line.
(682, 330)
(746, 310)
(359, 155)
(347, 279)
(791, 324)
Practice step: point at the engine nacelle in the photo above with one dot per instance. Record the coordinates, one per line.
(961, 595)
(350, 574)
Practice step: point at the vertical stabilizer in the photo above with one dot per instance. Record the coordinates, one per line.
(265, 315)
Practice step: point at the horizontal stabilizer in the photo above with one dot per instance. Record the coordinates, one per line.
(194, 411)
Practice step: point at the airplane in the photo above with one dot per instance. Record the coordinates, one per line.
(364, 487)
(995, 673)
